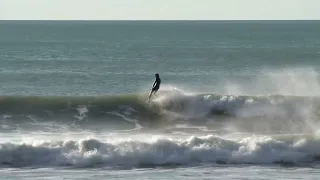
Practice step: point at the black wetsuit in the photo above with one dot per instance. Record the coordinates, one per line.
(156, 84)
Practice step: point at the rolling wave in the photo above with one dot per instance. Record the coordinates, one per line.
(168, 107)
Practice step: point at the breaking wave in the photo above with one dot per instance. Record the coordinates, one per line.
(169, 107)
(163, 152)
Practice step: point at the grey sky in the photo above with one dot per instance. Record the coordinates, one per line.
(158, 9)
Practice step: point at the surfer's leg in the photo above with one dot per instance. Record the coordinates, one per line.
(154, 93)
(150, 95)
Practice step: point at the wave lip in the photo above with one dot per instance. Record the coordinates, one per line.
(162, 152)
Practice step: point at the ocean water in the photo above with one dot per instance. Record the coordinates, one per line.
(238, 100)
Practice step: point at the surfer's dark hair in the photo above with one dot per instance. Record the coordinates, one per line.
(156, 74)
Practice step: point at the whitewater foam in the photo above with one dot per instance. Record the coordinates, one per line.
(162, 151)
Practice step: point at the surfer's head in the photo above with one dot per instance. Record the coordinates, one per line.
(157, 75)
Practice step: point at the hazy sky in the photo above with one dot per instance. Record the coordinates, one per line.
(158, 9)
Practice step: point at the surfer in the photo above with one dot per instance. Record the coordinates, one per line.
(156, 86)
